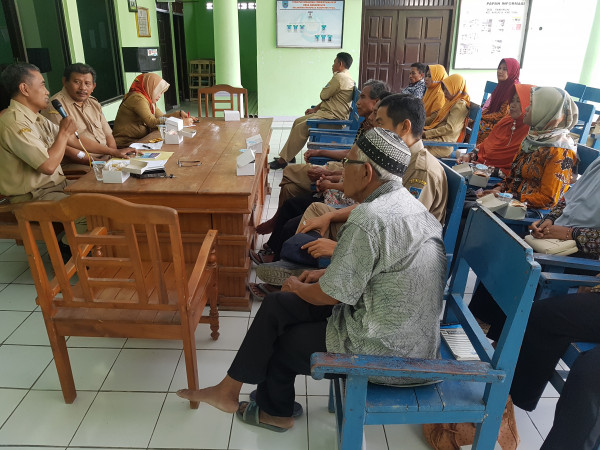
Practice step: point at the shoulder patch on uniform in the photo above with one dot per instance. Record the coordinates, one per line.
(417, 181)
(415, 192)
(24, 130)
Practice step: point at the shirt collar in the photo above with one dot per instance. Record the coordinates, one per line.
(68, 99)
(24, 110)
(416, 147)
(385, 188)
(418, 82)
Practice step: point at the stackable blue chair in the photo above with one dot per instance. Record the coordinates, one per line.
(593, 95)
(471, 391)
(352, 123)
(587, 113)
(489, 88)
(457, 190)
(575, 90)
(585, 156)
(470, 136)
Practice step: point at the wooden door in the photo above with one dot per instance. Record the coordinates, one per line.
(393, 39)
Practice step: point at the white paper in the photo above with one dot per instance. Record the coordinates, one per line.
(147, 145)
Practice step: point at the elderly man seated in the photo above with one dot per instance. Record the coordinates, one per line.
(381, 295)
(79, 81)
(336, 99)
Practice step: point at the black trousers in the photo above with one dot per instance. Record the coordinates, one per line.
(288, 219)
(284, 334)
(553, 324)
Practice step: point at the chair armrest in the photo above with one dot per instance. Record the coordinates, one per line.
(567, 262)
(565, 280)
(201, 261)
(390, 366)
(313, 123)
(448, 144)
(328, 146)
(335, 131)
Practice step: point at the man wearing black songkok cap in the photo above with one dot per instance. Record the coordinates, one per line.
(380, 295)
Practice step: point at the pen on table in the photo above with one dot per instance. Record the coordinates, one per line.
(147, 146)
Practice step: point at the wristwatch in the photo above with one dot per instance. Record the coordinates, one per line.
(81, 154)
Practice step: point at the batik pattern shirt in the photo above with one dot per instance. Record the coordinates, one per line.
(388, 273)
(417, 89)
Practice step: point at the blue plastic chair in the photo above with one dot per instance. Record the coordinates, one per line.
(575, 90)
(470, 136)
(587, 113)
(593, 95)
(457, 190)
(489, 88)
(471, 391)
(352, 123)
(585, 156)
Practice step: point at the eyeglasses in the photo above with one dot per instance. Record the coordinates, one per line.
(356, 161)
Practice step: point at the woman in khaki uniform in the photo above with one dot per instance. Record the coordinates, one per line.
(138, 114)
(449, 124)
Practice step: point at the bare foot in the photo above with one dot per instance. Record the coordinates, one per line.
(266, 227)
(214, 396)
(282, 422)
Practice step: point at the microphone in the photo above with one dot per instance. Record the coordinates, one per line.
(59, 107)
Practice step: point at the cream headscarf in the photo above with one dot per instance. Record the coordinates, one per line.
(553, 113)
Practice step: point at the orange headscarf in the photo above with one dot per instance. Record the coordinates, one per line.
(150, 86)
(504, 141)
(434, 96)
(457, 87)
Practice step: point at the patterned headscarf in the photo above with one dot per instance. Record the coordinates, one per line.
(503, 92)
(150, 85)
(553, 114)
(434, 96)
(386, 149)
(457, 86)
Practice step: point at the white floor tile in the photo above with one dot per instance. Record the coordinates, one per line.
(206, 427)
(89, 366)
(530, 436)
(14, 253)
(80, 341)
(212, 367)
(31, 332)
(317, 387)
(9, 399)
(142, 370)
(543, 416)
(248, 437)
(9, 322)
(232, 331)
(154, 343)
(22, 364)
(5, 244)
(321, 424)
(43, 418)
(120, 419)
(10, 271)
(18, 297)
(405, 436)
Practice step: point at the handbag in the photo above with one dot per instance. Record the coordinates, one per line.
(552, 246)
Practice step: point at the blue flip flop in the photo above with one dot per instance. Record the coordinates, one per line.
(297, 406)
(251, 417)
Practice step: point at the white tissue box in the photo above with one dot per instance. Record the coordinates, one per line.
(515, 210)
(491, 202)
(188, 133)
(255, 143)
(246, 163)
(232, 116)
(463, 169)
(114, 176)
(478, 180)
(173, 129)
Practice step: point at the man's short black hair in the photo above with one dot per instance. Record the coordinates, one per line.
(14, 75)
(345, 59)
(420, 67)
(377, 87)
(405, 106)
(79, 68)
(383, 95)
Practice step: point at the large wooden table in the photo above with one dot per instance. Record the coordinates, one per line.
(208, 196)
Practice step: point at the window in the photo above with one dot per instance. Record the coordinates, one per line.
(101, 47)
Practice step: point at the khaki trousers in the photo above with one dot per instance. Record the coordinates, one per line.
(317, 210)
(299, 135)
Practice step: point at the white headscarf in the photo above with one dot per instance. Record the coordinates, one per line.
(583, 200)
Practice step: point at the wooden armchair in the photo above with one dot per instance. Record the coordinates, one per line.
(217, 103)
(132, 278)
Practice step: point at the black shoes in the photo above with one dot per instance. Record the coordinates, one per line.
(276, 165)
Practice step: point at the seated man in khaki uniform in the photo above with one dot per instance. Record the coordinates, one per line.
(79, 81)
(31, 147)
(336, 100)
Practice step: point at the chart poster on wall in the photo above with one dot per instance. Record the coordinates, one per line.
(488, 31)
(310, 24)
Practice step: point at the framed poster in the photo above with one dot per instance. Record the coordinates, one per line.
(132, 5)
(310, 24)
(489, 31)
(142, 22)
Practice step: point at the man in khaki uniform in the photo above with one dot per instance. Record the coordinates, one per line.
(336, 100)
(31, 147)
(79, 81)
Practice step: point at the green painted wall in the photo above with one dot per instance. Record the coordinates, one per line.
(200, 41)
(290, 79)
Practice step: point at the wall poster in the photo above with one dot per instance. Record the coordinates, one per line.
(488, 31)
(142, 22)
(313, 24)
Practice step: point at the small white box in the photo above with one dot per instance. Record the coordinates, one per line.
(246, 163)
(477, 179)
(188, 133)
(111, 175)
(491, 202)
(515, 210)
(232, 116)
(255, 143)
(173, 129)
(464, 169)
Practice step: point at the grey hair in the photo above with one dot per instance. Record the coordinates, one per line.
(377, 87)
(383, 174)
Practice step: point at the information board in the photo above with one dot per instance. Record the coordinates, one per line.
(313, 24)
(488, 31)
